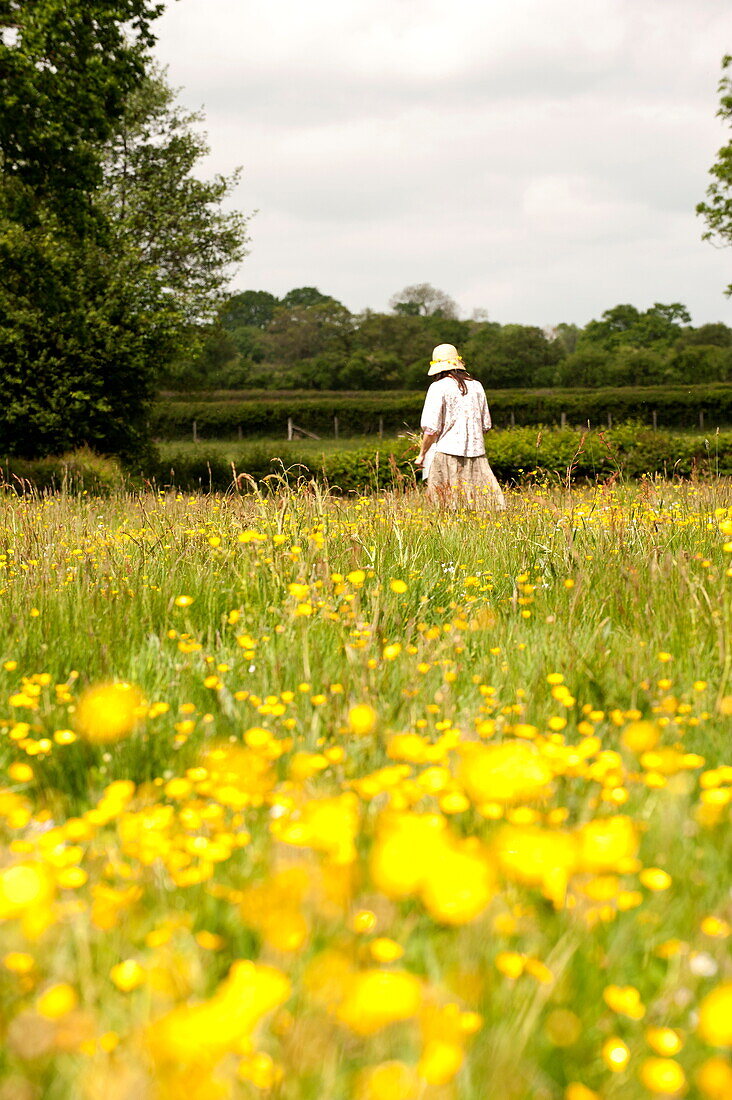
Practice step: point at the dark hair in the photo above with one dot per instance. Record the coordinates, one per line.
(460, 375)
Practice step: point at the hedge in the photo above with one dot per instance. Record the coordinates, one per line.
(516, 455)
(227, 416)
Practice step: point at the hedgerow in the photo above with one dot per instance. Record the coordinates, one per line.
(228, 416)
(516, 455)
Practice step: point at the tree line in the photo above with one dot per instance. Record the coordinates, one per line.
(310, 340)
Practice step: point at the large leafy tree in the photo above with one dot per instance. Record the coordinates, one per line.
(110, 249)
(66, 70)
(717, 210)
(163, 215)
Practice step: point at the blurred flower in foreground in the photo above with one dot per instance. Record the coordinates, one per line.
(362, 719)
(376, 998)
(510, 772)
(108, 712)
(203, 1033)
(715, 1017)
(27, 891)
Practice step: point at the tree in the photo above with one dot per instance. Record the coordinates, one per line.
(99, 222)
(713, 334)
(625, 326)
(65, 74)
(253, 308)
(300, 332)
(423, 300)
(305, 296)
(511, 355)
(162, 212)
(717, 210)
(565, 336)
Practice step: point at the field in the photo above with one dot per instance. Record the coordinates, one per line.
(310, 798)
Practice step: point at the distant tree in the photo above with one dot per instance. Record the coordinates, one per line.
(717, 210)
(254, 308)
(399, 338)
(715, 334)
(510, 355)
(299, 332)
(446, 330)
(423, 300)
(588, 366)
(694, 364)
(626, 326)
(565, 336)
(304, 296)
(611, 330)
(639, 366)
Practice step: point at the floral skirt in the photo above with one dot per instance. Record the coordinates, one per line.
(456, 481)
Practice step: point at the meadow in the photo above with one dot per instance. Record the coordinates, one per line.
(310, 797)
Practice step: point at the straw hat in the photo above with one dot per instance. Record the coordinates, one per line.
(445, 357)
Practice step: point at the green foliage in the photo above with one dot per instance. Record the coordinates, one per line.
(75, 345)
(516, 455)
(310, 340)
(248, 309)
(626, 327)
(300, 332)
(511, 355)
(227, 415)
(268, 415)
(163, 213)
(110, 247)
(717, 210)
(64, 82)
(80, 471)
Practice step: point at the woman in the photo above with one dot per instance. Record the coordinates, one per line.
(454, 418)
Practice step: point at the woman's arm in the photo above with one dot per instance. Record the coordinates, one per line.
(485, 413)
(428, 438)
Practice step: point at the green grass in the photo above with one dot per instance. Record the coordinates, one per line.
(278, 448)
(622, 593)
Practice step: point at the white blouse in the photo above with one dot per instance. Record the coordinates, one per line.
(460, 419)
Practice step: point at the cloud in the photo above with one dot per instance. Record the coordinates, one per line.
(539, 158)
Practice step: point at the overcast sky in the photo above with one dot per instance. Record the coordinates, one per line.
(539, 159)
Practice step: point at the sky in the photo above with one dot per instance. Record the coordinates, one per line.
(539, 160)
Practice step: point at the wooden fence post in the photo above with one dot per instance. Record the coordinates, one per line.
(654, 414)
(335, 426)
(289, 427)
(609, 420)
(563, 420)
(701, 420)
(381, 427)
(513, 419)
(195, 432)
(239, 432)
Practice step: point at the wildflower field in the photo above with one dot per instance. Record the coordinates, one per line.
(309, 798)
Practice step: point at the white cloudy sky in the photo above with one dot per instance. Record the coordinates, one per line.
(540, 159)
